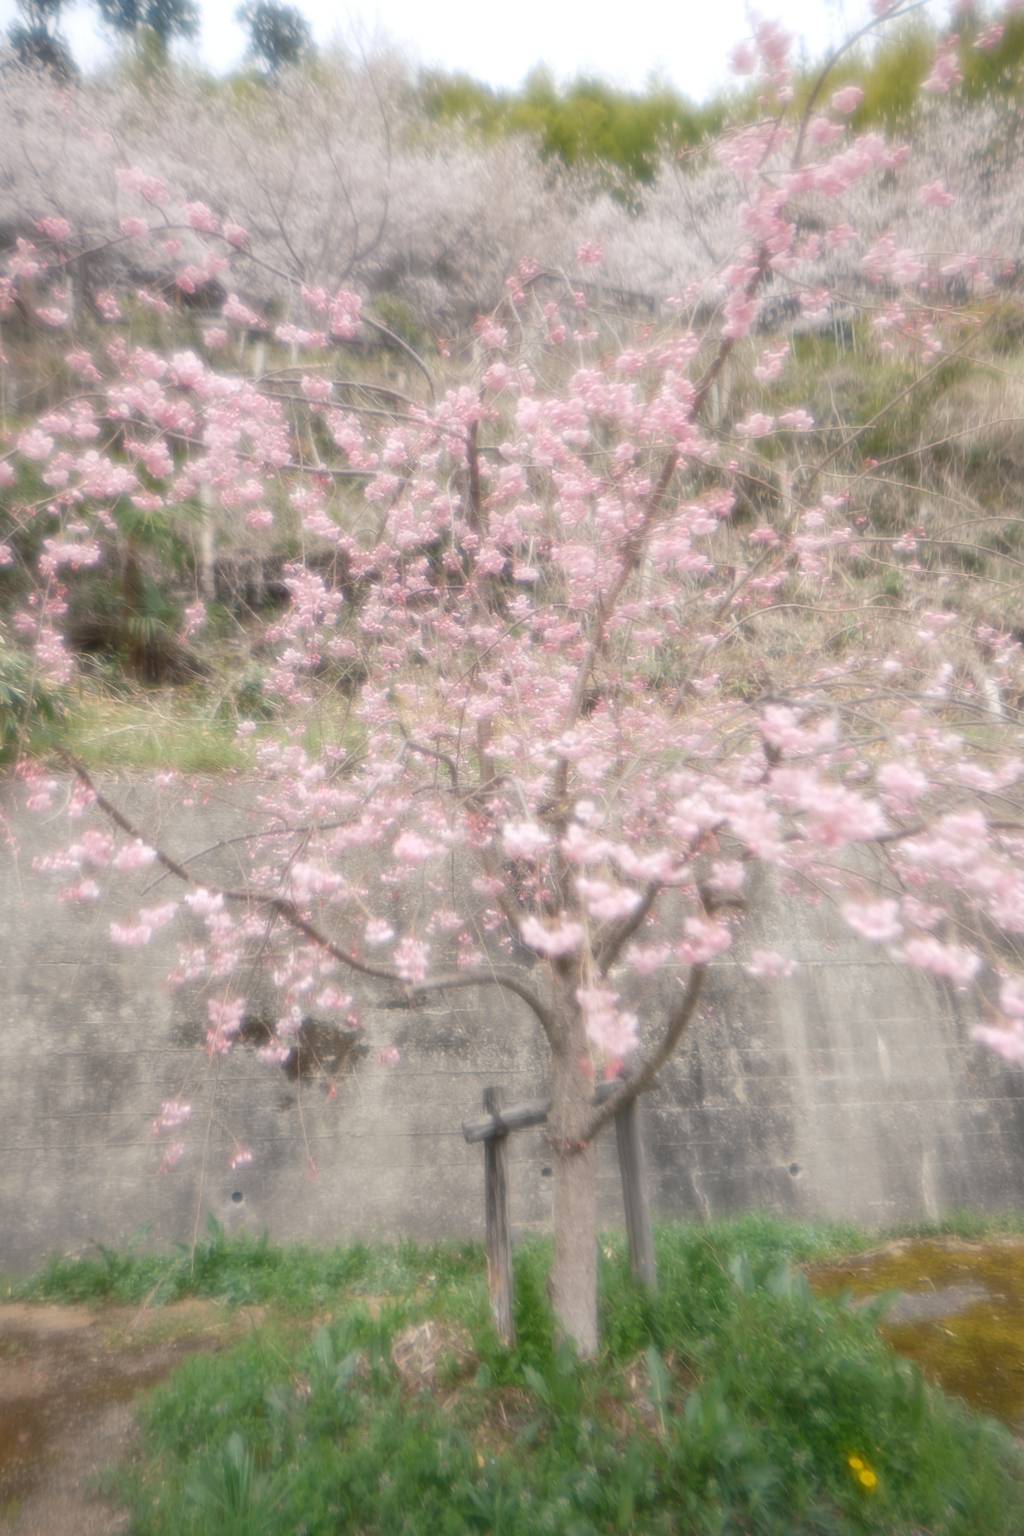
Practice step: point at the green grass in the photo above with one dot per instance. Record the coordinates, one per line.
(166, 730)
(117, 725)
(729, 1403)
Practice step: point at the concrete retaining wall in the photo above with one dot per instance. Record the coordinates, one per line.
(852, 1090)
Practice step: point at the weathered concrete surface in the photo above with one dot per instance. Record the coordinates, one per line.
(852, 1090)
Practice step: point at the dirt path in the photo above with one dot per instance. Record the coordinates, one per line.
(68, 1380)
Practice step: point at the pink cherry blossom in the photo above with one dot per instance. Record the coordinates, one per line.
(241, 314)
(130, 935)
(159, 916)
(55, 228)
(172, 1156)
(133, 856)
(201, 218)
(1006, 1040)
(605, 902)
(1011, 996)
(173, 1113)
(847, 99)
(316, 389)
(35, 444)
(768, 963)
(613, 1032)
(771, 363)
(954, 962)
(187, 370)
(990, 37)
(410, 957)
(756, 425)
(411, 848)
(524, 840)
(135, 179)
(945, 70)
(563, 938)
(876, 920)
(344, 312)
(934, 195)
(195, 618)
(205, 903)
(225, 1020)
(903, 781)
(821, 131)
(704, 939)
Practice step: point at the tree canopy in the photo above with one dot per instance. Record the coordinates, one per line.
(279, 35)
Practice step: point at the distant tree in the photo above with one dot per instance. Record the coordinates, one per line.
(36, 40)
(278, 34)
(165, 19)
(587, 121)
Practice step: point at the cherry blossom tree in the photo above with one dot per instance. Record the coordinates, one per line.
(584, 616)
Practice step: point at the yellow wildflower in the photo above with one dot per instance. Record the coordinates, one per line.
(862, 1473)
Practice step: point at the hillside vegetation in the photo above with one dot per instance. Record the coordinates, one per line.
(431, 197)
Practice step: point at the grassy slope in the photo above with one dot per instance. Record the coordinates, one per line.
(732, 1402)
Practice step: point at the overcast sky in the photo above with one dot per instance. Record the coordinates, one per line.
(683, 40)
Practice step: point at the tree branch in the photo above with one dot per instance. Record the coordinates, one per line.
(648, 1071)
(410, 352)
(611, 948)
(482, 976)
(479, 976)
(440, 757)
(278, 904)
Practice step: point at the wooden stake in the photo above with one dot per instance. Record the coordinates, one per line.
(635, 1196)
(516, 1118)
(499, 1232)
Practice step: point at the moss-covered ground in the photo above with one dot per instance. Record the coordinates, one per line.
(975, 1349)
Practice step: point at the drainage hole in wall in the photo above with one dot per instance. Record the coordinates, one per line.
(237, 1197)
(545, 1173)
(794, 1169)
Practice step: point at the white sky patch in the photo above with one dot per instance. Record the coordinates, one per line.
(683, 43)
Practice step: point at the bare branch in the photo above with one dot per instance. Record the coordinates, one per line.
(480, 976)
(649, 1069)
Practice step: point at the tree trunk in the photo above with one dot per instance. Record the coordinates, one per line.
(573, 1283)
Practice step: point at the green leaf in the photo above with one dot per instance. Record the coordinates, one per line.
(346, 1370)
(740, 1272)
(323, 1350)
(535, 1381)
(789, 1284)
(661, 1384)
(876, 1309)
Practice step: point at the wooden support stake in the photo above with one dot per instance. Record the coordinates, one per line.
(499, 1231)
(635, 1196)
(516, 1118)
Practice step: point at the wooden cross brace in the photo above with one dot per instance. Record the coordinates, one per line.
(493, 1129)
